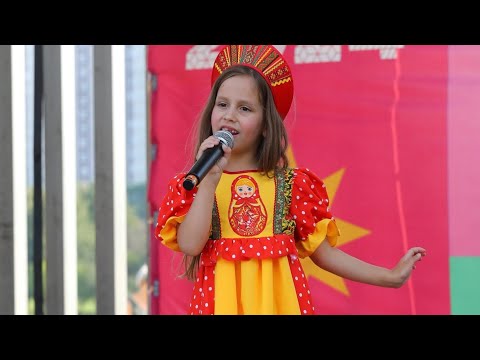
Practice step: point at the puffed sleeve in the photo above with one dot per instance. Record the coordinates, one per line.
(172, 211)
(310, 208)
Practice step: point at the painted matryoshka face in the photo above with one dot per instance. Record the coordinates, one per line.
(245, 191)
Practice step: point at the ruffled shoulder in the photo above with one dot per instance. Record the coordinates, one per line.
(172, 211)
(310, 208)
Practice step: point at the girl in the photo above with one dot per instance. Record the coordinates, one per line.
(245, 227)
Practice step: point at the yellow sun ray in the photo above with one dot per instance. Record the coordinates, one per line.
(349, 232)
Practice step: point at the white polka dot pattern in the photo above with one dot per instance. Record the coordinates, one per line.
(309, 201)
(248, 248)
(203, 302)
(175, 203)
(308, 207)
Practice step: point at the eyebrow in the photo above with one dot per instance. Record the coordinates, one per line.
(245, 102)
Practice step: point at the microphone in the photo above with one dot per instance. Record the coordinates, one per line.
(208, 159)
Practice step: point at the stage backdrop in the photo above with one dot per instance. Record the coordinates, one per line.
(371, 120)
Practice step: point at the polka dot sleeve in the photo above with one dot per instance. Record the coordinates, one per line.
(172, 211)
(310, 209)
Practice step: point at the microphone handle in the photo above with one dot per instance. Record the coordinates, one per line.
(201, 168)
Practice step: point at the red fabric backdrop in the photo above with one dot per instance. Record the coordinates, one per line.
(369, 120)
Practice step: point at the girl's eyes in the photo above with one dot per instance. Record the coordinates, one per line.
(242, 108)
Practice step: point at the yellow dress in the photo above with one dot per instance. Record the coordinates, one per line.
(261, 226)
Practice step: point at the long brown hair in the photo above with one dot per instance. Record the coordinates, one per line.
(271, 150)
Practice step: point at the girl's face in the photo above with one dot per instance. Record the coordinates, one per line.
(238, 110)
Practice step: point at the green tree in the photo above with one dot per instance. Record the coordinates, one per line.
(137, 242)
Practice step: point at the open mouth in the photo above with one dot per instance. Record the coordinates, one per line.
(230, 130)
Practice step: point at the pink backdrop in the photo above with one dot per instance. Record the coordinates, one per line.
(372, 123)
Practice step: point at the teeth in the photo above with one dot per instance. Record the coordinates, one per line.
(233, 132)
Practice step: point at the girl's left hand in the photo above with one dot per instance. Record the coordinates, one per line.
(406, 264)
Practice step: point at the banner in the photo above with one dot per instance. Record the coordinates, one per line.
(371, 121)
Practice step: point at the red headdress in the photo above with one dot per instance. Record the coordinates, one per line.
(268, 62)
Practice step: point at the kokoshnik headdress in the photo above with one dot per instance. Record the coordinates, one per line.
(268, 62)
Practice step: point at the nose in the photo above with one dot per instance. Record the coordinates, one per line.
(229, 115)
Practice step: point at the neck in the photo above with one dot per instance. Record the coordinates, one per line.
(241, 162)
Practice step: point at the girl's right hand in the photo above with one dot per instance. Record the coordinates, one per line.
(216, 171)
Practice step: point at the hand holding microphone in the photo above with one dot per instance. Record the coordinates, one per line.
(208, 159)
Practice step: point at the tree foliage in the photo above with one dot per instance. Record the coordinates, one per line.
(137, 242)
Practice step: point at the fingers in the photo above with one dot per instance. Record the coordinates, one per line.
(222, 162)
(416, 257)
(209, 142)
(413, 255)
(418, 249)
(226, 151)
(416, 253)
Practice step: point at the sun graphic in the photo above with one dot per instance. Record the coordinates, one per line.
(349, 232)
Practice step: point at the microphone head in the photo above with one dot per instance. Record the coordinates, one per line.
(225, 137)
